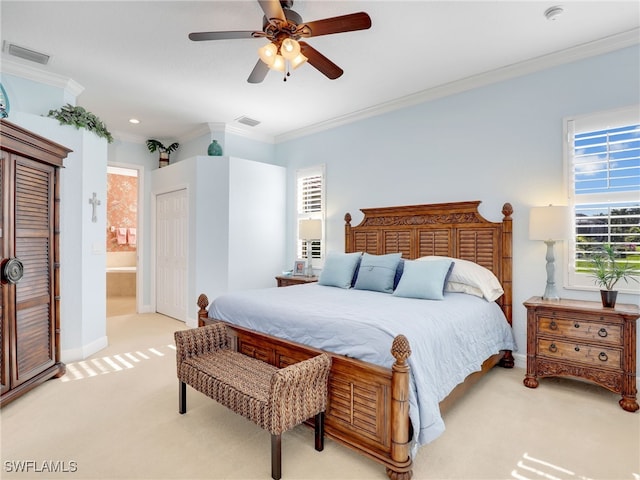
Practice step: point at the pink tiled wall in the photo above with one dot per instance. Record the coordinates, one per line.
(122, 211)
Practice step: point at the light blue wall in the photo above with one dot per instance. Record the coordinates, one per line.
(499, 143)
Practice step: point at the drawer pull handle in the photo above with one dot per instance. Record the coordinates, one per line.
(602, 332)
(577, 349)
(603, 357)
(553, 325)
(576, 325)
(553, 348)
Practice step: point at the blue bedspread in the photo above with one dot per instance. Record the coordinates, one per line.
(449, 338)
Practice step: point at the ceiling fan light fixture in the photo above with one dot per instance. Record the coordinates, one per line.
(289, 49)
(298, 60)
(278, 63)
(268, 53)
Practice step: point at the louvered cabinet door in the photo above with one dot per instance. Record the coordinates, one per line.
(5, 372)
(34, 304)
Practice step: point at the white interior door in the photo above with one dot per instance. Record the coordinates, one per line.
(172, 215)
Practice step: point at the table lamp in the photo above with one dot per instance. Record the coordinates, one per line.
(308, 230)
(549, 224)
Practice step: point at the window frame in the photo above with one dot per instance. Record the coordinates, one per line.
(608, 119)
(317, 170)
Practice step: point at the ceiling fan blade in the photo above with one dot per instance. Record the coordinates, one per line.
(320, 62)
(272, 9)
(258, 73)
(343, 23)
(201, 36)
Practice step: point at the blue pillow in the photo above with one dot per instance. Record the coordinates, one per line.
(338, 269)
(424, 279)
(377, 272)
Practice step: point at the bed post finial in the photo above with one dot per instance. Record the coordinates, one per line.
(203, 303)
(507, 211)
(348, 236)
(401, 350)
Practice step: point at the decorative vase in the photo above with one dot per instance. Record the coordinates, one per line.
(4, 103)
(608, 298)
(164, 159)
(215, 150)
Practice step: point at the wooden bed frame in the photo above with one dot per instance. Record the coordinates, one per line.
(368, 407)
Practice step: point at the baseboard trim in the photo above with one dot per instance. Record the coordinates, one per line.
(75, 354)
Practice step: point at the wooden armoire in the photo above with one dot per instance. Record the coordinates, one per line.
(30, 260)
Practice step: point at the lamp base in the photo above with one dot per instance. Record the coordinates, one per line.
(550, 292)
(308, 268)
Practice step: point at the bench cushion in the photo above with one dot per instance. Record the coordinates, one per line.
(238, 382)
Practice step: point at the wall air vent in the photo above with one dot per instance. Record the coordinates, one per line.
(27, 54)
(247, 121)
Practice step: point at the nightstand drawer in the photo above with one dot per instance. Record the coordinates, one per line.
(596, 356)
(581, 330)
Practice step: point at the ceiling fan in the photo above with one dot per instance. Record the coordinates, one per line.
(283, 28)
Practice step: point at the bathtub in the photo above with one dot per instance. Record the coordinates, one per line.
(121, 281)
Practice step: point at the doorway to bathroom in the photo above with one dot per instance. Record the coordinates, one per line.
(122, 240)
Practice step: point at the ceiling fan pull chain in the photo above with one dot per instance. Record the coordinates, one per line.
(286, 68)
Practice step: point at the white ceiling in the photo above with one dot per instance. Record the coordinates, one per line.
(134, 58)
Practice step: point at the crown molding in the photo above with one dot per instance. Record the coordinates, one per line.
(243, 132)
(19, 69)
(225, 128)
(591, 49)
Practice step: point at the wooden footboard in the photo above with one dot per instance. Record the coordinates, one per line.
(368, 405)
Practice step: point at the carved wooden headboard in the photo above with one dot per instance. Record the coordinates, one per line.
(446, 229)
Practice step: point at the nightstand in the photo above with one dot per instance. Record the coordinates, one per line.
(582, 339)
(287, 280)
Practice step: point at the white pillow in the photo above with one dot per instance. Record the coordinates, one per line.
(469, 277)
(456, 287)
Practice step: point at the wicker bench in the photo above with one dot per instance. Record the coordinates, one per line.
(275, 399)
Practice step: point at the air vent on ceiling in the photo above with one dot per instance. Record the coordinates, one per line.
(247, 121)
(27, 54)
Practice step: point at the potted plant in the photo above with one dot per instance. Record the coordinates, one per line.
(607, 270)
(80, 118)
(155, 145)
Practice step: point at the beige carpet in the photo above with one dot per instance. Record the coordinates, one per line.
(114, 416)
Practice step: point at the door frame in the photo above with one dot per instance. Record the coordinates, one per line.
(154, 240)
(140, 233)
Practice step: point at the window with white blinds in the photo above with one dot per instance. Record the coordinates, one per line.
(603, 159)
(311, 205)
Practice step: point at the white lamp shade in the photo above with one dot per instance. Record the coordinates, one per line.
(549, 223)
(310, 229)
(278, 63)
(268, 53)
(298, 60)
(289, 48)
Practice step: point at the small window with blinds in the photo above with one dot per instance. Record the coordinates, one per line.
(311, 205)
(603, 160)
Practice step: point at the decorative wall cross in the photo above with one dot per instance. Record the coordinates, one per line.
(94, 203)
